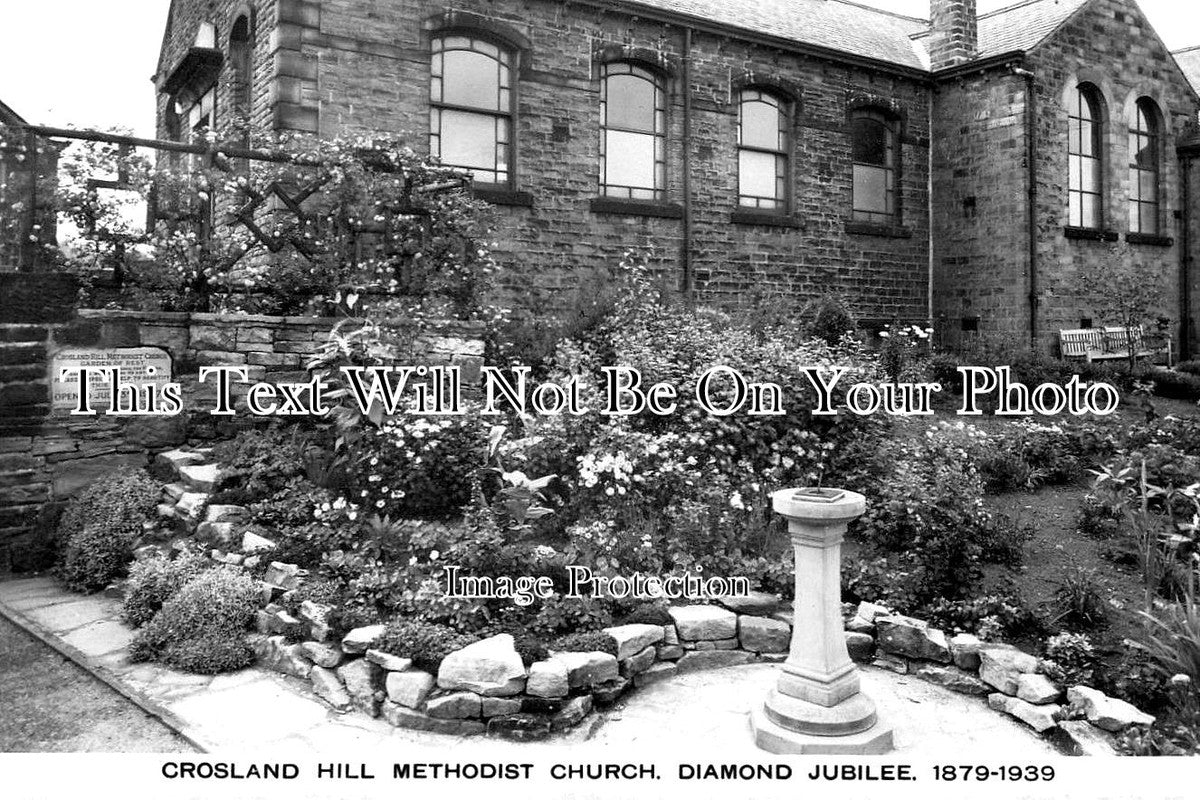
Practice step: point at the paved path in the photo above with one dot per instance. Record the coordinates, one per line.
(702, 712)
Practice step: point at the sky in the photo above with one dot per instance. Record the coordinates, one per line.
(88, 63)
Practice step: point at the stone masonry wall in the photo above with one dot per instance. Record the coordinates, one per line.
(46, 456)
(362, 66)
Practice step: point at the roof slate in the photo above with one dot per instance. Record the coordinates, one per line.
(870, 32)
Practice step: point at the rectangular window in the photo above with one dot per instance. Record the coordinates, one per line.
(762, 152)
(1084, 186)
(633, 133)
(873, 144)
(470, 118)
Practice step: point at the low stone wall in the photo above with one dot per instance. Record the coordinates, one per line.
(46, 455)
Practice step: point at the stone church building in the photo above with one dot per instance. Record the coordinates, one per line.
(970, 169)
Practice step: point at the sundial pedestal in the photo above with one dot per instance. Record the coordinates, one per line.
(817, 707)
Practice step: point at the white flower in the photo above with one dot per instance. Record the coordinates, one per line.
(434, 555)
(736, 501)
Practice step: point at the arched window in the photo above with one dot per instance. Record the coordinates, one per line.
(1144, 169)
(762, 151)
(633, 120)
(1084, 148)
(241, 60)
(873, 142)
(470, 118)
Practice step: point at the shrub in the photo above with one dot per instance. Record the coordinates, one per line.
(828, 319)
(1097, 520)
(259, 463)
(427, 644)
(1074, 659)
(991, 617)
(1004, 541)
(560, 614)
(1004, 471)
(154, 581)
(215, 606)
(589, 642)
(1179, 385)
(1081, 600)
(1174, 642)
(879, 580)
(1190, 367)
(98, 530)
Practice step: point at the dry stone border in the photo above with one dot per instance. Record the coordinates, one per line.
(485, 688)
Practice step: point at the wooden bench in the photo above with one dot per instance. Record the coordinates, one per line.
(1109, 344)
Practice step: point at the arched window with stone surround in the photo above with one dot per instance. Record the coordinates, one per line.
(471, 106)
(633, 130)
(1085, 179)
(876, 158)
(1145, 168)
(763, 147)
(241, 62)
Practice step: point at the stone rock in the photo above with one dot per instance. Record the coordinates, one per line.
(520, 727)
(499, 706)
(200, 477)
(364, 682)
(1001, 666)
(457, 705)
(273, 652)
(170, 462)
(717, 644)
(587, 669)
(861, 646)
(543, 705)
(359, 640)
(670, 635)
(387, 661)
(190, 507)
(1036, 689)
(763, 635)
(867, 612)
(287, 576)
(860, 625)
(669, 652)
(1084, 739)
(488, 667)
(223, 532)
(147, 551)
(329, 688)
(607, 693)
(165, 510)
(891, 663)
(1040, 718)
(656, 673)
(785, 616)
(912, 638)
(263, 621)
(638, 663)
(713, 659)
(964, 650)
(547, 679)
(633, 639)
(1105, 712)
(699, 623)
(400, 717)
(953, 679)
(409, 688)
(284, 623)
(226, 513)
(759, 604)
(173, 491)
(253, 543)
(572, 713)
(323, 655)
(316, 615)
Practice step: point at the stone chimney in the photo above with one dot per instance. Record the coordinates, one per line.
(955, 32)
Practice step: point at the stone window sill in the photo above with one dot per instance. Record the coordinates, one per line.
(636, 208)
(1152, 239)
(773, 219)
(503, 196)
(878, 229)
(1090, 234)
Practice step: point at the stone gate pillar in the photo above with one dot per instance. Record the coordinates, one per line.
(816, 707)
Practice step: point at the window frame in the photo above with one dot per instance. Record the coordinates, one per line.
(658, 191)
(241, 61)
(1085, 97)
(508, 59)
(781, 202)
(890, 124)
(1142, 210)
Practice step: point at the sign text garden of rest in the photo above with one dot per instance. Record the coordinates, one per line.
(139, 366)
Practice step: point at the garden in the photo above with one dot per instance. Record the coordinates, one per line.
(309, 542)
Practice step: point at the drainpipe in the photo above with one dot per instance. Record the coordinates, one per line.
(685, 247)
(929, 202)
(1031, 159)
(1185, 259)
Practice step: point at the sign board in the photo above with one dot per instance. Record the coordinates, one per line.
(140, 366)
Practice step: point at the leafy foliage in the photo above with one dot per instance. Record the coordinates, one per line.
(154, 581)
(425, 643)
(100, 526)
